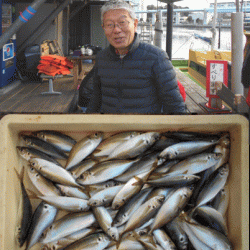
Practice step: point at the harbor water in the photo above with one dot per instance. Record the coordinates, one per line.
(186, 38)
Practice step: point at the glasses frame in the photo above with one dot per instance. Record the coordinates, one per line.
(116, 24)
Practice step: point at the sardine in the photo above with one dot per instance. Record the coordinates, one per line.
(130, 207)
(53, 172)
(213, 186)
(172, 207)
(144, 213)
(82, 149)
(45, 147)
(67, 225)
(72, 191)
(42, 184)
(210, 237)
(109, 144)
(43, 217)
(70, 204)
(105, 221)
(58, 139)
(163, 239)
(104, 171)
(97, 241)
(27, 153)
(24, 213)
(135, 146)
(104, 197)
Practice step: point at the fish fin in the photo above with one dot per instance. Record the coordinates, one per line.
(88, 190)
(32, 194)
(139, 181)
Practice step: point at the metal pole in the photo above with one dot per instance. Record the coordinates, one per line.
(169, 30)
(42, 27)
(17, 24)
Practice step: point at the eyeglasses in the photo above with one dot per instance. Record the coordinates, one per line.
(109, 26)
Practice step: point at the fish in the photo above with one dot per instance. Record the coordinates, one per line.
(67, 225)
(149, 242)
(174, 230)
(68, 240)
(172, 207)
(104, 171)
(135, 146)
(98, 241)
(27, 153)
(83, 148)
(104, 197)
(144, 164)
(130, 207)
(173, 180)
(210, 237)
(184, 149)
(144, 213)
(109, 144)
(53, 172)
(163, 239)
(42, 184)
(45, 147)
(70, 204)
(211, 218)
(105, 220)
(73, 191)
(213, 186)
(24, 212)
(195, 164)
(56, 138)
(132, 187)
(130, 243)
(43, 217)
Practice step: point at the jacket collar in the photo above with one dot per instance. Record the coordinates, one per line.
(132, 47)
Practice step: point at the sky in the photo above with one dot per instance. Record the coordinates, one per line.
(192, 4)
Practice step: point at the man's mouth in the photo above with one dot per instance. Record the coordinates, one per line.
(119, 39)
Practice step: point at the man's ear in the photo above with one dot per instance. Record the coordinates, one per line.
(136, 24)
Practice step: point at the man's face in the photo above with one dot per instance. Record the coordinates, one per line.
(122, 35)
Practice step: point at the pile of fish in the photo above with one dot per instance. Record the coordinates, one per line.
(129, 190)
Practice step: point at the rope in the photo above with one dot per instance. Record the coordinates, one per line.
(183, 45)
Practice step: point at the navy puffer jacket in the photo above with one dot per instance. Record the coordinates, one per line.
(142, 82)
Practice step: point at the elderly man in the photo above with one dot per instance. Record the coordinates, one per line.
(132, 76)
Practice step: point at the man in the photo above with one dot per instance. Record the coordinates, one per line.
(131, 76)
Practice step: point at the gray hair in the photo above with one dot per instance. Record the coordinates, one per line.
(117, 5)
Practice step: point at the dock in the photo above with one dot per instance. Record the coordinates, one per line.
(27, 97)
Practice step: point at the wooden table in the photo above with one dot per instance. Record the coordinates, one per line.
(27, 98)
(80, 69)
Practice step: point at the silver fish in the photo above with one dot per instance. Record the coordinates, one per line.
(104, 171)
(70, 204)
(58, 139)
(173, 180)
(105, 221)
(83, 148)
(131, 206)
(211, 218)
(110, 143)
(149, 242)
(196, 164)
(27, 153)
(43, 217)
(97, 241)
(72, 191)
(172, 207)
(212, 187)
(104, 197)
(130, 243)
(145, 212)
(135, 146)
(67, 225)
(24, 213)
(66, 241)
(163, 239)
(53, 172)
(42, 184)
(45, 147)
(184, 149)
(210, 237)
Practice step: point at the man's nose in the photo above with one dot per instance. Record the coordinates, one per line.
(116, 28)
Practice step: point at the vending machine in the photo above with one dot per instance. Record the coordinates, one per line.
(8, 52)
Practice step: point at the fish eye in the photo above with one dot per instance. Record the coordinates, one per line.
(99, 239)
(182, 239)
(117, 206)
